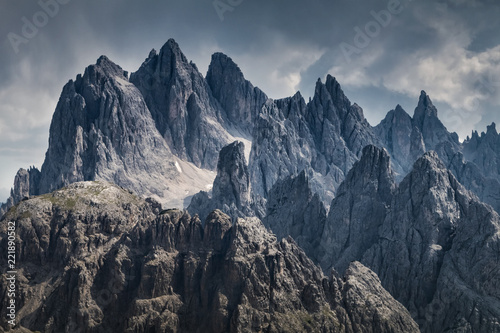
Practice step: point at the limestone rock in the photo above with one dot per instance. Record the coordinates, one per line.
(95, 258)
(231, 188)
(102, 129)
(183, 108)
(241, 101)
(26, 184)
(358, 211)
(430, 241)
(402, 139)
(294, 210)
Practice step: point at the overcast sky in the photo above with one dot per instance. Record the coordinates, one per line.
(383, 52)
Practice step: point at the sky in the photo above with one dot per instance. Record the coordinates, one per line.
(383, 53)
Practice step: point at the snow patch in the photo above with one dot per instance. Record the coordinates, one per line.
(182, 188)
(436, 247)
(178, 166)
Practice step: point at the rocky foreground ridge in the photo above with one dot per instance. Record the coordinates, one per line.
(95, 258)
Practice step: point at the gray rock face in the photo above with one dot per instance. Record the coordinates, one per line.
(431, 242)
(325, 136)
(402, 139)
(232, 184)
(277, 151)
(231, 188)
(484, 151)
(433, 131)
(358, 211)
(427, 235)
(241, 101)
(26, 183)
(294, 210)
(472, 178)
(95, 258)
(102, 129)
(181, 103)
(332, 118)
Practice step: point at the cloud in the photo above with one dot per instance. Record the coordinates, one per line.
(278, 68)
(465, 83)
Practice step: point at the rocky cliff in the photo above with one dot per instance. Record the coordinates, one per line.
(359, 209)
(93, 257)
(231, 188)
(240, 100)
(430, 241)
(102, 129)
(182, 106)
(325, 136)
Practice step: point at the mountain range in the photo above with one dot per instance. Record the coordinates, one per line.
(198, 204)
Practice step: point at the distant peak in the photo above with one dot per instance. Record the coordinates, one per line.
(424, 99)
(152, 53)
(221, 56)
(399, 113)
(372, 153)
(424, 109)
(429, 161)
(373, 167)
(331, 82)
(172, 43)
(491, 129)
(109, 67)
(102, 59)
(297, 96)
(334, 90)
(330, 78)
(172, 48)
(222, 62)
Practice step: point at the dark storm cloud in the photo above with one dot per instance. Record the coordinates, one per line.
(445, 47)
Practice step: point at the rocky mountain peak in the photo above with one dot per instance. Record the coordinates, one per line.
(152, 53)
(374, 167)
(424, 109)
(240, 100)
(223, 64)
(171, 52)
(358, 210)
(428, 162)
(400, 111)
(231, 187)
(434, 133)
(332, 98)
(232, 184)
(336, 92)
(102, 70)
(182, 105)
(491, 129)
